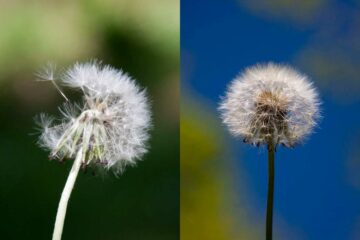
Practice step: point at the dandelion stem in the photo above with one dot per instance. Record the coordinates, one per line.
(61, 212)
(270, 195)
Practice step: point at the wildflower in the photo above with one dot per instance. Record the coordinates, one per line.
(271, 103)
(111, 124)
(109, 128)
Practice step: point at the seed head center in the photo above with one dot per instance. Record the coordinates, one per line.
(270, 117)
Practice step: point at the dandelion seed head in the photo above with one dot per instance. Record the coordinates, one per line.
(111, 123)
(271, 102)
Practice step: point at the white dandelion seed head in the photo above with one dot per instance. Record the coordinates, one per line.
(271, 103)
(111, 124)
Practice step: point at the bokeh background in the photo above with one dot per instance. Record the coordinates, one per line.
(142, 38)
(223, 181)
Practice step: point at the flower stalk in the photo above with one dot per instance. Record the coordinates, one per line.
(70, 182)
(270, 194)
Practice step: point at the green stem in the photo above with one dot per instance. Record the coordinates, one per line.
(270, 195)
(70, 182)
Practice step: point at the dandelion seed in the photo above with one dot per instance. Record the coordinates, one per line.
(269, 105)
(48, 74)
(108, 129)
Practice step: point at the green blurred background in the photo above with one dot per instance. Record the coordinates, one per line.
(142, 37)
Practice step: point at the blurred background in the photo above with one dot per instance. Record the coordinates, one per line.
(223, 181)
(142, 38)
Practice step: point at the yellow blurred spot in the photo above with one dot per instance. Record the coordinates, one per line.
(207, 200)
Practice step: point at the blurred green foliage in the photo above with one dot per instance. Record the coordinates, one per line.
(142, 37)
(208, 198)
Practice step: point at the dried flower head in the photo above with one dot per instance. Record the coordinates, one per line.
(110, 126)
(271, 103)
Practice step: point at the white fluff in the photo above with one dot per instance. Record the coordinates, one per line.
(111, 124)
(271, 102)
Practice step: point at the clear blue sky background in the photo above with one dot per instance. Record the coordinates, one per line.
(314, 195)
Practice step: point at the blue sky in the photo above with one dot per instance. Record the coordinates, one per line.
(313, 193)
